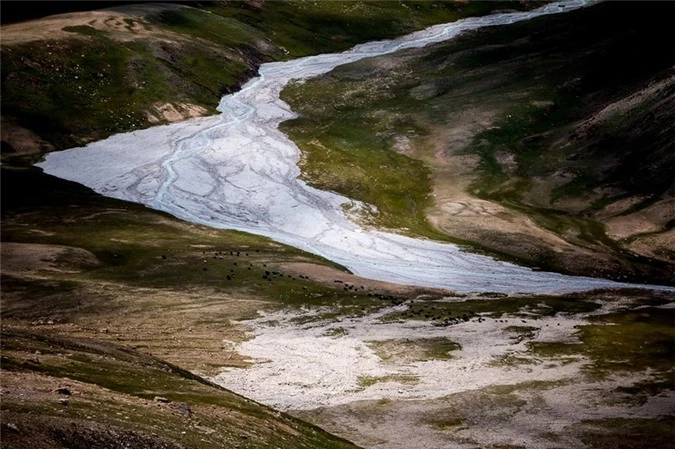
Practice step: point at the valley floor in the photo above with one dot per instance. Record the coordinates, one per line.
(414, 376)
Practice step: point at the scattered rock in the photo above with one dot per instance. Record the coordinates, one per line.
(161, 399)
(31, 361)
(181, 408)
(64, 391)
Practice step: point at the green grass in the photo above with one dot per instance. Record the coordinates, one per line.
(624, 341)
(626, 433)
(211, 28)
(632, 341)
(519, 309)
(305, 27)
(74, 90)
(141, 248)
(413, 350)
(369, 381)
(355, 162)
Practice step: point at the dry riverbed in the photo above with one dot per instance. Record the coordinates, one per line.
(238, 171)
(484, 379)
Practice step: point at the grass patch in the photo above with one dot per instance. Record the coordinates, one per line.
(522, 309)
(73, 91)
(414, 350)
(626, 433)
(551, 350)
(354, 162)
(624, 341)
(512, 360)
(303, 28)
(369, 381)
(632, 340)
(447, 422)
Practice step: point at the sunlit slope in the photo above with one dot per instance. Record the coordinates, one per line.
(62, 392)
(550, 141)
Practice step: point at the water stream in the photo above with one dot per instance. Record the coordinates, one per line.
(238, 171)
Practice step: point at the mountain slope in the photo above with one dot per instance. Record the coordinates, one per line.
(82, 393)
(549, 141)
(74, 78)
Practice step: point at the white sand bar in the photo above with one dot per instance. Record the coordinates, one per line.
(238, 171)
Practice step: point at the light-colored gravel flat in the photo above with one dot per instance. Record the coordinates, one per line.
(492, 391)
(321, 363)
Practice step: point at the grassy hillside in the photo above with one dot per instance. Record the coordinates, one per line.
(80, 77)
(549, 141)
(108, 299)
(119, 305)
(82, 393)
(113, 302)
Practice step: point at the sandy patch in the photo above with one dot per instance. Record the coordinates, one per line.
(658, 246)
(651, 219)
(23, 141)
(29, 258)
(167, 112)
(123, 23)
(331, 276)
(462, 215)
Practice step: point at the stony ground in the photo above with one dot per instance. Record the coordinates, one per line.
(383, 381)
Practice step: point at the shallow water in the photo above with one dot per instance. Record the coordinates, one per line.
(238, 171)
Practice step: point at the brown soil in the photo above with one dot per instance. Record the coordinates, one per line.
(21, 140)
(462, 215)
(123, 23)
(168, 112)
(331, 276)
(195, 329)
(33, 259)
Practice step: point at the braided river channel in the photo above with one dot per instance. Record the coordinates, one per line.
(237, 171)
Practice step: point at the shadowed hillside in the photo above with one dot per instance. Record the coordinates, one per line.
(550, 141)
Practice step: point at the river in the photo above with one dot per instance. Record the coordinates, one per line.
(237, 171)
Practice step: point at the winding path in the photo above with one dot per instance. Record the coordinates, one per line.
(238, 171)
